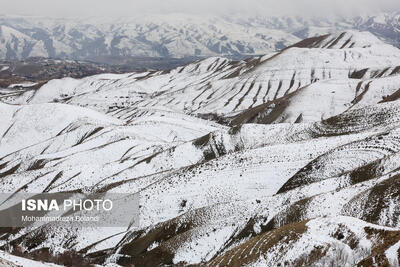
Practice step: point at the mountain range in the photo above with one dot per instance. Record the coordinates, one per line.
(285, 159)
(175, 35)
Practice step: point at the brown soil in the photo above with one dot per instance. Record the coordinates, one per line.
(395, 96)
(246, 252)
(383, 240)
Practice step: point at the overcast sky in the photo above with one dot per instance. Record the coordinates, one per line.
(84, 8)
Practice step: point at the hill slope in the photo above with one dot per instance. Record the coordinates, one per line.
(289, 158)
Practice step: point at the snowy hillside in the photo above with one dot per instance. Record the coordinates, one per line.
(291, 158)
(175, 35)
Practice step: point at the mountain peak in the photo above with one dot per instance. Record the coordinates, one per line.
(341, 40)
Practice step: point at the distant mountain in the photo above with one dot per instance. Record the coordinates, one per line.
(174, 35)
(286, 159)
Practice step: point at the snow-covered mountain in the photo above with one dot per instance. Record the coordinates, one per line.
(174, 35)
(291, 159)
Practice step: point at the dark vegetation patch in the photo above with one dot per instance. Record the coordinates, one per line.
(263, 114)
(393, 97)
(209, 154)
(243, 85)
(234, 74)
(136, 248)
(8, 129)
(354, 121)
(379, 200)
(58, 176)
(6, 232)
(302, 177)
(308, 259)
(213, 117)
(382, 73)
(250, 63)
(336, 40)
(235, 129)
(346, 236)
(299, 119)
(37, 164)
(10, 171)
(294, 213)
(40, 164)
(202, 141)
(346, 43)
(207, 144)
(395, 71)
(281, 237)
(360, 96)
(366, 172)
(62, 131)
(310, 42)
(382, 240)
(244, 95)
(3, 165)
(88, 135)
(358, 74)
(375, 203)
(149, 159)
(267, 113)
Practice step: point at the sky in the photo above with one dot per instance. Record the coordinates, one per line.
(117, 8)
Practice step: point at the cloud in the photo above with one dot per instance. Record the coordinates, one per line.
(83, 8)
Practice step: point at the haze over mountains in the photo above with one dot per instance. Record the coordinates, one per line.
(290, 158)
(175, 35)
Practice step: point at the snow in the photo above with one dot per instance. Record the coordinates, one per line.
(203, 87)
(208, 243)
(144, 133)
(180, 35)
(25, 84)
(54, 88)
(34, 121)
(349, 39)
(392, 254)
(11, 37)
(19, 261)
(319, 234)
(330, 98)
